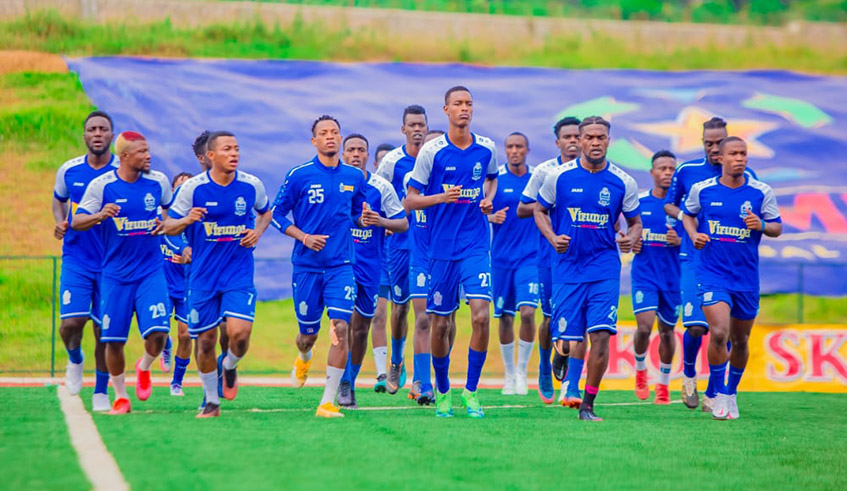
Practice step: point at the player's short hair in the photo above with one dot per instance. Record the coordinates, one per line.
(566, 121)
(99, 114)
(124, 139)
(662, 153)
(383, 147)
(213, 136)
(726, 141)
(414, 109)
(715, 123)
(355, 135)
(179, 176)
(594, 120)
(455, 88)
(518, 133)
(199, 145)
(324, 117)
(434, 132)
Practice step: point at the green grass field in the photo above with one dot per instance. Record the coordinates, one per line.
(269, 438)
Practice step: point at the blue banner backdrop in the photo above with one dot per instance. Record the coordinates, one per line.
(795, 125)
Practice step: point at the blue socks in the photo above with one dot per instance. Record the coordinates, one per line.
(168, 343)
(574, 373)
(734, 378)
(75, 355)
(422, 363)
(544, 366)
(476, 359)
(690, 349)
(180, 366)
(397, 346)
(442, 377)
(717, 384)
(101, 382)
(347, 376)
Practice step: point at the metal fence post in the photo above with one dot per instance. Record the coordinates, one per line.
(53, 313)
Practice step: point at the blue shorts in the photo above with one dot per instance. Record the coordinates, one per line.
(514, 288)
(179, 307)
(473, 274)
(334, 288)
(148, 298)
(419, 281)
(79, 293)
(742, 305)
(207, 308)
(398, 275)
(692, 314)
(366, 298)
(384, 283)
(580, 308)
(545, 290)
(666, 304)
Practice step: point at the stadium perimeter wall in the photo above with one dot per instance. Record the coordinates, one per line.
(441, 26)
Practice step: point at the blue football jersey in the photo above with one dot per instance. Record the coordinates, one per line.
(368, 241)
(514, 243)
(218, 261)
(731, 257)
(587, 207)
(176, 274)
(456, 230)
(393, 168)
(685, 176)
(530, 195)
(321, 200)
(83, 249)
(656, 267)
(131, 251)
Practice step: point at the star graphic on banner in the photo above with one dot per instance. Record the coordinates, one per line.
(686, 131)
(606, 107)
(797, 111)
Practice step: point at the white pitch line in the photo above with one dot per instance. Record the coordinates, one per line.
(96, 461)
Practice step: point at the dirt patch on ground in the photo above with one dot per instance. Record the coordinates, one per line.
(12, 61)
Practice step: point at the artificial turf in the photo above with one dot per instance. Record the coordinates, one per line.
(269, 438)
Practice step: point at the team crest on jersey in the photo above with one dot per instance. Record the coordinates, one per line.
(303, 308)
(746, 206)
(149, 202)
(477, 171)
(194, 316)
(563, 324)
(344, 187)
(500, 302)
(707, 297)
(66, 297)
(106, 322)
(689, 309)
(421, 281)
(398, 292)
(436, 298)
(605, 197)
(639, 296)
(670, 221)
(240, 206)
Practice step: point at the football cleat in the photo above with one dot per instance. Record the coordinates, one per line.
(100, 402)
(176, 390)
(230, 384)
(165, 359)
(642, 388)
(443, 405)
(586, 413)
(143, 384)
(721, 409)
(379, 386)
(546, 391)
(509, 385)
(73, 378)
(121, 406)
(396, 377)
(662, 395)
(689, 392)
(328, 410)
(346, 396)
(210, 410)
(520, 383)
(471, 401)
(300, 372)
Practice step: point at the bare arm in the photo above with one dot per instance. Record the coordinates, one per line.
(690, 224)
(395, 225)
(633, 234)
(84, 221)
(312, 241)
(60, 216)
(673, 211)
(526, 210)
(416, 201)
(252, 236)
(545, 226)
(489, 188)
(175, 226)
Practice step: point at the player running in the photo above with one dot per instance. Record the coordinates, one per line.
(177, 255)
(567, 140)
(655, 279)
(378, 335)
(126, 200)
(82, 257)
(514, 250)
(734, 210)
(693, 320)
(325, 197)
(394, 168)
(381, 198)
(588, 194)
(214, 210)
(454, 179)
